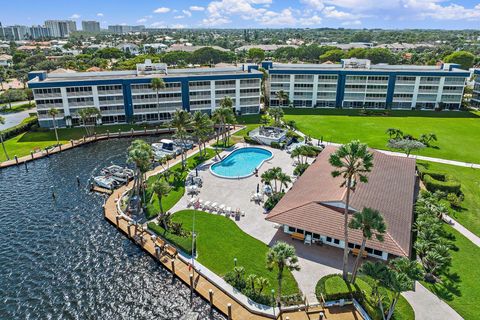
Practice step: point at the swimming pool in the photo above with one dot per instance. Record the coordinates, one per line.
(240, 163)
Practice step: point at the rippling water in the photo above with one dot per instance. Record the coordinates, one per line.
(61, 259)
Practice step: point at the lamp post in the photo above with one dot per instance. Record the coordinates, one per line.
(273, 299)
(234, 262)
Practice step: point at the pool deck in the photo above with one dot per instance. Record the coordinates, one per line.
(202, 284)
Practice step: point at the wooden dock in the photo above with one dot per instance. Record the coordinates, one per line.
(217, 297)
(15, 161)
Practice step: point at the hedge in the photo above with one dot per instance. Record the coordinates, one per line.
(340, 288)
(435, 175)
(250, 140)
(448, 186)
(24, 126)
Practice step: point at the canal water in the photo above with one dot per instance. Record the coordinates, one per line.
(60, 259)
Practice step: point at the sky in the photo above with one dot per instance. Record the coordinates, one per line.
(386, 14)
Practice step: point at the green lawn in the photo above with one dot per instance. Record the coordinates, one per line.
(460, 287)
(178, 185)
(469, 214)
(16, 108)
(333, 287)
(220, 240)
(22, 144)
(458, 132)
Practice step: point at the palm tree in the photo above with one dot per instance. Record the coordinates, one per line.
(140, 153)
(161, 188)
(202, 128)
(377, 271)
(282, 96)
(53, 113)
(251, 281)
(157, 84)
(394, 133)
(224, 115)
(371, 223)
(2, 121)
(261, 283)
(181, 121)
(283, 179)
(264, 87)
(282, 256)
(3, 76)
(353, 161)
(277, 115)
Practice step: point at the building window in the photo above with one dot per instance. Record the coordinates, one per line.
(291, 229)
(336, 241)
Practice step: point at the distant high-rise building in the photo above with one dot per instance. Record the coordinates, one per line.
(91, 26)
(39, 32)
(14, 33)
(61, 28)
(120, 29)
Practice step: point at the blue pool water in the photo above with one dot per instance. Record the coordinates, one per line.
(241, 163)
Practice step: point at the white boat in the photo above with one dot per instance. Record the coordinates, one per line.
(166, 146)
(120, 174)
(105, 182)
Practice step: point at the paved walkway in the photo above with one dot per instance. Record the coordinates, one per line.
(464, 231)
(12, 119)
(428, 306)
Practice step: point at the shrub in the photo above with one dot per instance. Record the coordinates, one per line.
(333, 287)
(250, 140)
(276, 145)
(300, 169)
(454, 200)
(435, 175)
(448, 186)
(259, 297)
(273, 200)
(294, 136)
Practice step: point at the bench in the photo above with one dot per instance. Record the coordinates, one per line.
(356, 252)
(298, 236)
(171, 251)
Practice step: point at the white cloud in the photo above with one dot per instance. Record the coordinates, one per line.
(316, 5)
(99, 14)
(352, 23)
(311, 21)
(332, 13)
(187, 13)
(197, 8)
(142, 20)
(162, 10)
(75, 16)
(215, 21)
(178, 17)
(158, 25)
(434, 9)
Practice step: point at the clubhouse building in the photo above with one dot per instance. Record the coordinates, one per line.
(315, 204)
(126, 96)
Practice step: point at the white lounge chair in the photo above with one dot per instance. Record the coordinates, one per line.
(214, 207)
(206, 206)
(228, 211)
(221, 208)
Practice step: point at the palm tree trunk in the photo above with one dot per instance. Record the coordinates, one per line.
(3, 146)
(345, 228)
(158, 106)
(55, 128)
(357, 261)
(392, 306)
(160, 203)
(279, 294)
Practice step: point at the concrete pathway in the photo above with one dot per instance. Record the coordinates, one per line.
(12, 119)
(428, 306)
(464, 231)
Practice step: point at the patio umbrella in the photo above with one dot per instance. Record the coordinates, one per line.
(196, 172)
(258, 188)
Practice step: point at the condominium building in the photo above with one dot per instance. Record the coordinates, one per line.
(91, 26)
(39, 32)
(475, 102)
(356, 83)
(61, 28)
(126, 96)
(121, 29)
(13, 33)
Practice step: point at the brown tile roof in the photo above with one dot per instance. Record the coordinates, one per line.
(310, 203)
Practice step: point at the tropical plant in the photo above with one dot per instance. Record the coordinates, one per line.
(157, 84)
(371, 223)
(394, 133)
(87, 116)
(265, 119)
(53, 113)
(303, 152)
(182, 121)
(265, 97)
(277, 114)
(282, 256)
(278, 177)
(161, 189)
(352, 162)
(202, 129)
(251, 278)
(261, 283)
(224, 116)
(427, 138)
(282, 97)
(398, 276)
(139, 153)
(405, 145)
(2, 121)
